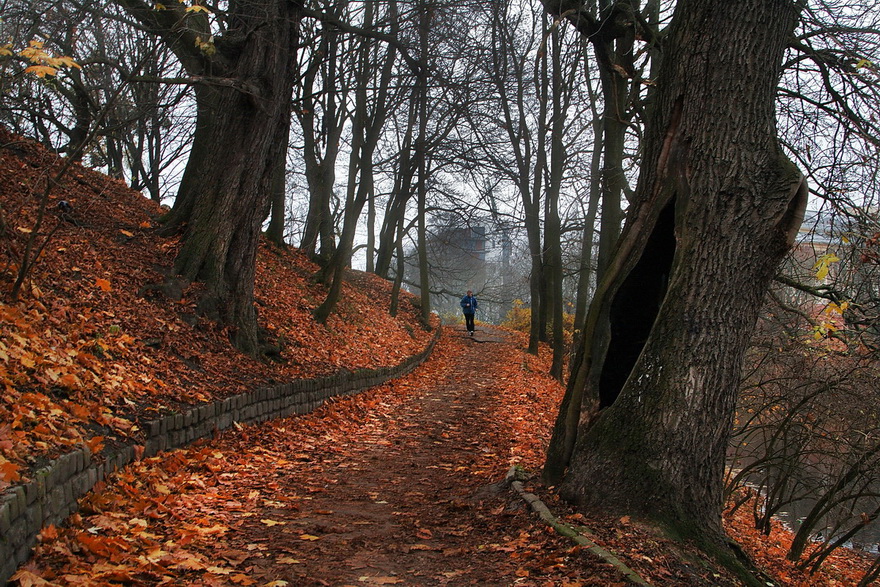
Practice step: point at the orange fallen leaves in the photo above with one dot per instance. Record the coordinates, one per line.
(92, 347)
(9, 473)
(842, 568)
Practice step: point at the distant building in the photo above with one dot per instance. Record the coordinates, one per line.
(472, 241)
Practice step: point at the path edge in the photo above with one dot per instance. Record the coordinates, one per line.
(513, 479)
(54, 492)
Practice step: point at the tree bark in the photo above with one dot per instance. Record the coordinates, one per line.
(318, 240)
(395, 210)
(585, 272)
(421, 160)
(614, 69)
(366, 132)
(278, 197)
(223, 198)
(646, 418)
(552, 224)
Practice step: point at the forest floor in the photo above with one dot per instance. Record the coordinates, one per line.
(397, 485)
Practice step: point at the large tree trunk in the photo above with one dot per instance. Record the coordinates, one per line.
(224, 195)
(648, 408)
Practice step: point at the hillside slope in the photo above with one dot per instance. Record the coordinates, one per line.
(92, 346)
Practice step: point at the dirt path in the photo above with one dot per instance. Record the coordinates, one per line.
(399, 485)
(405, 498)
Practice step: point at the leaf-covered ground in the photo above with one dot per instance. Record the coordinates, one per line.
(93, 348)
(396, 486)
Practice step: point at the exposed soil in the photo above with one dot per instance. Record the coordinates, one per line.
(401, 485)
(407, 499)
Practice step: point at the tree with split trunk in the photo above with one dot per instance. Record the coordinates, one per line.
(375, 69)
(242, 68)
(646, 417)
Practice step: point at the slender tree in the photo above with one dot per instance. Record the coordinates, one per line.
(367, 126)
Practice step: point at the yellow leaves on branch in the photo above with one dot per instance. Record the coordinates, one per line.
(193, 8)
(831, 320)
(823, 264)
(42, 62)
(206, 47)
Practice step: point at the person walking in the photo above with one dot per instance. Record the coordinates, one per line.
(469, 307)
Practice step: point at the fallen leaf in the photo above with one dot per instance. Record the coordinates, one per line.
(380, 580)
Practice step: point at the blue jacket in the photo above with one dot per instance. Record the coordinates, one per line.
(469, 304)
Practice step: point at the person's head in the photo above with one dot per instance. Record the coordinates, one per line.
(470, 293)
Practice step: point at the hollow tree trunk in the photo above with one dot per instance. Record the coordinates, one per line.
(647, 413)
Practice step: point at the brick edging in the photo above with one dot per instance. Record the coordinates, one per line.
(54, 492)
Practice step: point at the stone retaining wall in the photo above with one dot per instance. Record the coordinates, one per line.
(55, 490)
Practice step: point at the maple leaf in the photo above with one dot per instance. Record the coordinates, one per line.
(27, 578)
(189, 562)
(41, 71)
(823, 265)
(9, 471)
(63, 61)
(95, 444)
(50, 532)
(99, 545)
(103, 284)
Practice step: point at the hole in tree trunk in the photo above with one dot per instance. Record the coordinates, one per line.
(635, 306)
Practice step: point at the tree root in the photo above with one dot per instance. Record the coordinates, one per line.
(513, 479)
